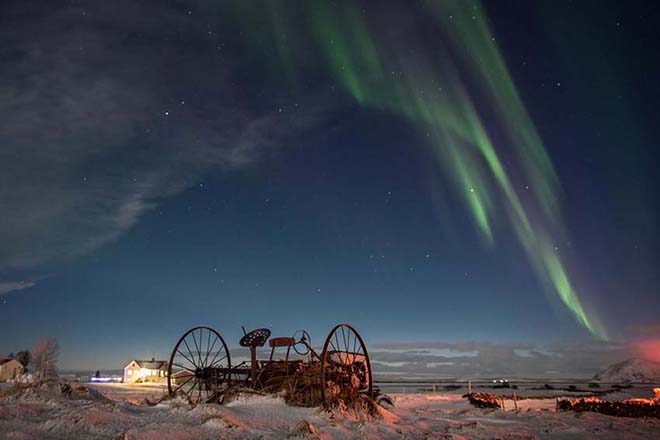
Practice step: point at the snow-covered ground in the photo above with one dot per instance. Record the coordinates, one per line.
(631, 370)
(87, 414)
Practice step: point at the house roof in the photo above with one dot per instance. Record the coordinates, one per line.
(4, 360)
(151, 364)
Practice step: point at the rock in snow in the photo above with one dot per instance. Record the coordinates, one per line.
(632, 370)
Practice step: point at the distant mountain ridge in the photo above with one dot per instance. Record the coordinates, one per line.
(631, 370)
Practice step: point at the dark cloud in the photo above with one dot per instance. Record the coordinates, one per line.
(107, 110)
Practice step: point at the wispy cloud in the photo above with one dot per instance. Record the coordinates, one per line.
(474, 360)
(6, 287)
(97, 128)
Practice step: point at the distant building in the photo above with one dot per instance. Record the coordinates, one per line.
(10, 369)
(145, 371)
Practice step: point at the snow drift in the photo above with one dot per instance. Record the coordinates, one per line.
(632, 370)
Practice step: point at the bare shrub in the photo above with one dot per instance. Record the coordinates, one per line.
(44, 359)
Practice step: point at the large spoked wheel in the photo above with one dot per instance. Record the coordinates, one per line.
(196, 364)
(345, 367)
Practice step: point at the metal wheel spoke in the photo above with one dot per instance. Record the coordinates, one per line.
(183, 383)
(210, 350)
(201, 346)
(208, 344)
(201, 333)
(191, 353)
(187, 393)
(216, 355)
(343, 334)
(354, 342)
(185, 357)
(185, 368)
(191, 387)
(218, 361)
(197, 347)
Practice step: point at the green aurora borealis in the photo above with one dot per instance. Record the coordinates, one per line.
(470, 175)
(451, 96)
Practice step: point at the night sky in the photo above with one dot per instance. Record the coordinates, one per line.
(429, 171)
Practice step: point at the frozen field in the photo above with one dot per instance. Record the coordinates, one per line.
(120, 412)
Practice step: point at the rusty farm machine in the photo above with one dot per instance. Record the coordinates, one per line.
(200, 368)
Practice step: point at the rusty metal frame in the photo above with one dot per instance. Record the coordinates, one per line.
(339, 364)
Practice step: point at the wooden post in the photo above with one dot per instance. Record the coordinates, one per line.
(469, 387)
(434, 389)
(502, 400)
(515, 401)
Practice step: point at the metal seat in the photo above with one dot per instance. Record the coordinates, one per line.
(283, 341)
(255, 338)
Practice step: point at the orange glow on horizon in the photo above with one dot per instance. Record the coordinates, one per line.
(648, 349)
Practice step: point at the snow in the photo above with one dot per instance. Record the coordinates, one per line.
(23, 378)
(633, 370)
(87, 414)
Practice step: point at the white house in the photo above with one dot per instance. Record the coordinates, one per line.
(10, 369)
(145, 371)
